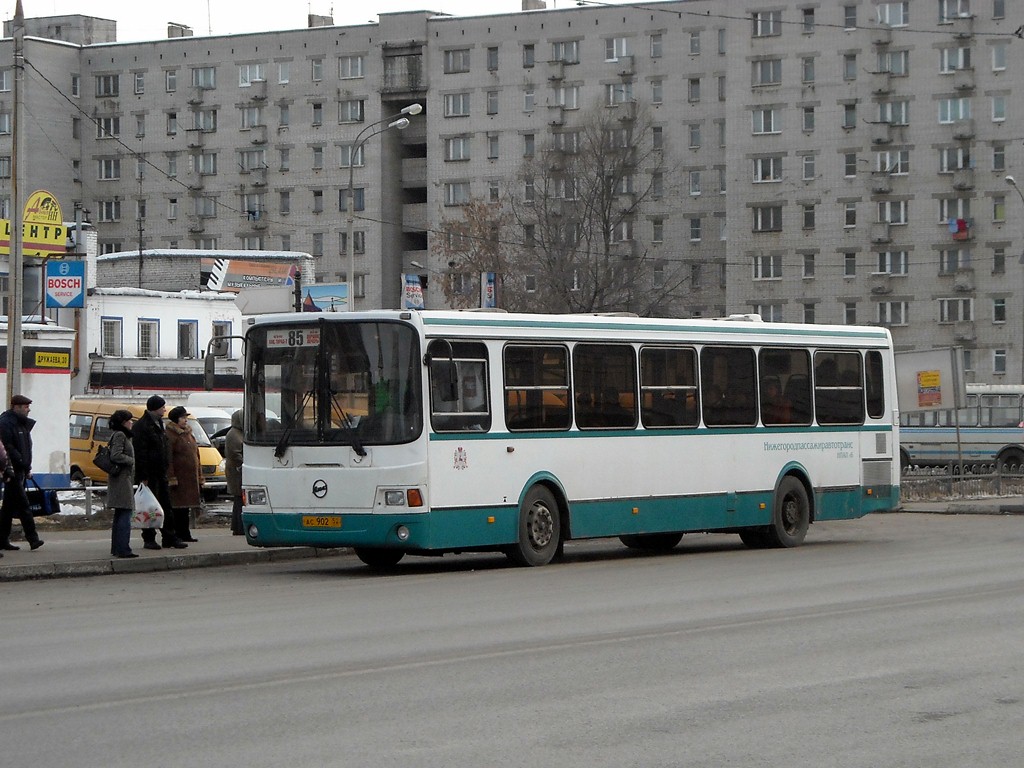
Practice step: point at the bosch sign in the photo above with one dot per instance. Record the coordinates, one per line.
(65, 284)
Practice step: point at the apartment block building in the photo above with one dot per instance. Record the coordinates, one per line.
(824, 162)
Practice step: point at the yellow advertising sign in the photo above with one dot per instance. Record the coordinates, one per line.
(42, 232)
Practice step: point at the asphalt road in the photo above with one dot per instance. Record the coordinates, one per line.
(891, 641)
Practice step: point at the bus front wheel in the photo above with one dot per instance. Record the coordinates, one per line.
(540, 529)
(379, 559)
(791, 516)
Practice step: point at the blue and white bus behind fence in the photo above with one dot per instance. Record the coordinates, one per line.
(988, 432)
(433, 432)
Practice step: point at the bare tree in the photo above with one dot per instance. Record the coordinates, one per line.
(566, 234)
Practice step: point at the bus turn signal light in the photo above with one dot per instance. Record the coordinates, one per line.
(414, 497)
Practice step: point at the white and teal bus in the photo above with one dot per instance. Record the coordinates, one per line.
(437, 432)
(988, 432)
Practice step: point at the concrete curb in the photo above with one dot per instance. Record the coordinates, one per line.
(108, 567)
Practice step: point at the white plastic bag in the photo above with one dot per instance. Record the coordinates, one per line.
(148, 512)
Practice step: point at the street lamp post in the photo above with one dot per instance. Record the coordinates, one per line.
(1013, 183)
(398, 121)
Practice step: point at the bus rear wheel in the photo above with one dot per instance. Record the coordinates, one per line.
(651, 542)
(1011, 460)
(540, 529)
(379, 559)
(791, 516)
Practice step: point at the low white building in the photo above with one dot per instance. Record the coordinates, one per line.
(134, 341)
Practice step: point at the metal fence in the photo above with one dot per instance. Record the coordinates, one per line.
(966, 481)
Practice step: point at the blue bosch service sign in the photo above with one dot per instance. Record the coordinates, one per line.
(65, 284)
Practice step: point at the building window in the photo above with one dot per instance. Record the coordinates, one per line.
(768, 267)
(999, 361)
(808, 310)
(767, 72)
(809, 262)
(139, 82)
(349, 111)
(808, 216)
(951, 110)
(850, 312)
(358, 242)
(149, 338)
(657, 230)
(456, 148)
(694, 43)
(998, 9)
(529, 144)
(999, 310)
(849, 264)
(850, 16)
(849, 66)
(807, 69)
(316, 69)
(849, 215)
(456, 104)
(763, 120)
(110, 337)
(894, 14)
(205, 120)
(76, 86)
(284, 69)
(998, 109)
(456, 193)
(767, 169)
(657, 91)
(493, 191)
(456, 60)
(850, 164)
(696, 230)
(956, 310)
(893, 313)
(109, 168)
(656, 45)
(492, 59)
(808, 167)
(807, 20)
(808, 119)
(849, 116)
(894, 112)
(204, 77)
(998, 261)
(657, 138)
(529, 55)
(999, 208)
(110, 210)
(694, 183)
(892, 263)
(359, 195)
(107, 86)
(895, 63)
(998, 157)
(892, 211)
(285, 202)
(249, 74)
(568, 96)
(188, 339)
(767, 23)
(767, 218)
(529, 96)
(615, 48)
(350, 67)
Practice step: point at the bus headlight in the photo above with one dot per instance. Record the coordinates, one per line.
(254, 497)
(402, 533)
(254, 532)
(394, 498)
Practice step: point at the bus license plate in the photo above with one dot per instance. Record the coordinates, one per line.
(321, 521)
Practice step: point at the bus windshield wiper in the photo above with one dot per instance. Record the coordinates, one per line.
(347, 426)
(282, 444)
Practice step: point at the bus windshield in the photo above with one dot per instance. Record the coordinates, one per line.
(337, 382)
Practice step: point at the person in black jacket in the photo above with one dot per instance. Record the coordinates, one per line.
(151, 459)
(16, 434)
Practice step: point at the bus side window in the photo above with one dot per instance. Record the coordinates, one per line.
(668, 387)
(537, 387)
(458, 387)
(728, 386)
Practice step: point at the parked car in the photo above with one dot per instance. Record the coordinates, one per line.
(90, 428)
(216, 423)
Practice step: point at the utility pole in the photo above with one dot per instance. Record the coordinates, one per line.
(16, 269)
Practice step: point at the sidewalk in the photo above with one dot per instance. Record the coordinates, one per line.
(69, 553)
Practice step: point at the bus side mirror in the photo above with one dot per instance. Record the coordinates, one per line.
(218, 346)
(209, 371)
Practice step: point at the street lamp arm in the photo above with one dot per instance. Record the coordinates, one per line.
(399, 121)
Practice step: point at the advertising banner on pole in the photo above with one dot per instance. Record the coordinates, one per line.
(412, 294)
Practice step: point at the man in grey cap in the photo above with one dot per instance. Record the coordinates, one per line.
(151, 459)
(16, 434)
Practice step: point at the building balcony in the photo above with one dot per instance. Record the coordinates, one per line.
(881, 36)
(556, 70)
(414, 172)
(963, 80)
(963, 178)
(414, 216)
(194, 137)
(881, 133)
(963, 129)
(964, 331)
(881, 232)
(881, 284)
(626, 66)
(963, 280)
(881, 183)
(962, 26)
(881, 83)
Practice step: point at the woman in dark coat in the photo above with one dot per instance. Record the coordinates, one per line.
(120, 494)
(184, 474)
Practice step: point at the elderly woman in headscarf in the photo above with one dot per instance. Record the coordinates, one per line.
(120, 494)
(184, 473)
